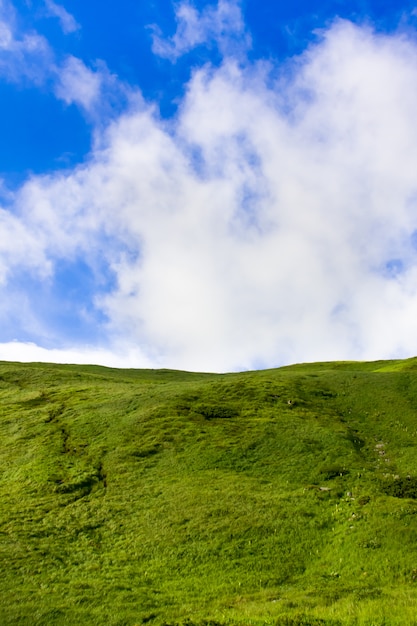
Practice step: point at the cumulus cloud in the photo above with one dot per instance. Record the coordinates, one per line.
(27, 58)
(222, 25)
(20, 248)
(30, 352)
(96, 91)
(78, 84)
(67, 21)
(23, 56)
(273, 221)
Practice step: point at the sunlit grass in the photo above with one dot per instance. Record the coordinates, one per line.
(283, 496)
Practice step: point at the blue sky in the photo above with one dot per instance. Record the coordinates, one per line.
(208, 185)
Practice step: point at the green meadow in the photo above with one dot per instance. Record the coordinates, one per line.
(278, 497)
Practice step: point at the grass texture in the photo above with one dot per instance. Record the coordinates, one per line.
(279, 497)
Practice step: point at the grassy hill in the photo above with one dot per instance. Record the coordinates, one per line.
(282, 497)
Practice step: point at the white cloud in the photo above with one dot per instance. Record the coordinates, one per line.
(27, 58)
(259, 227)
(78, 84)
(23, 56)
(67, 21)
(30, 352)
(222, 24)
(20, 248)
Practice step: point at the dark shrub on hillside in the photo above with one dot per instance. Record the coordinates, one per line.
(188, 622)
(303, 620)
(402, 487)
(327, 472)
(145, 452)
(355, 440)
(215, 411)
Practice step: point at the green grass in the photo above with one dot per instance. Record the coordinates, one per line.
(281, 497)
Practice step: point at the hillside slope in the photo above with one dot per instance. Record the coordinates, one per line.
(284, 496)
